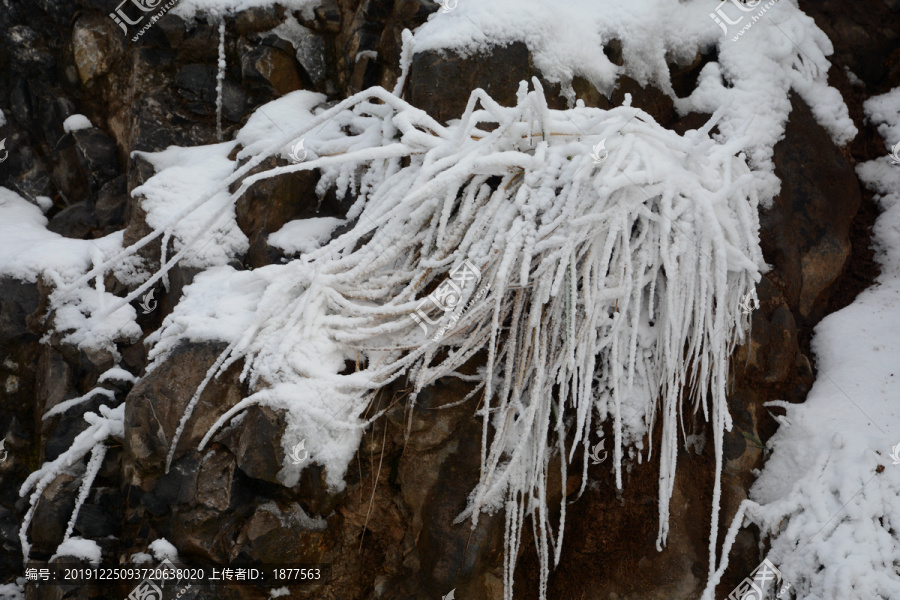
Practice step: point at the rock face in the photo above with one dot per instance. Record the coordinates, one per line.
(809, 225)
(390, 533)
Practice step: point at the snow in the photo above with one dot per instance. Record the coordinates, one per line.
(783, 52)
(117, 374)
(76, 122)
(140, 558)
(269, 122)
(28, 250)
(67, 404)
(98, 453)
(295, 516)
(217, 306)
(884, 110)
(276, 592)
(16, 591)
(110, 422)
(304, 235)
(220, 79)
(45, 203)
(679, 247)
(189, 9)
(2, 123)
(163, 549)
(80, 548)
(602, 273)
(831, 516)
(853, 78)
(182, 176)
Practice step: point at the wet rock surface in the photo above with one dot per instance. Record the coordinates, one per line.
(390, 533)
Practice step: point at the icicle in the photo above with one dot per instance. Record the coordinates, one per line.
(110, 422)
(93, 467)
(556, 250)
(220, 78)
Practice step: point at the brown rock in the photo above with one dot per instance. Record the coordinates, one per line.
(55, 379)
(275, 531)
(649, 98)
(96, 45)
(256, 442)
(270, 203)
(51, 517)
(770, 353)
(440, 83)
(328, 17)
(257, 19)
(821, 265)
(215, 482)
(156, 404)
(273, 68)
(805, 234)
(203, 532)
(438, 470)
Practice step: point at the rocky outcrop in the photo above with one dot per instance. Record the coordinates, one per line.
(390, 533)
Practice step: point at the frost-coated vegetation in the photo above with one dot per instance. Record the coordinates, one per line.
(109, 423)
(609, 292)
(828, 501)
(608, 298)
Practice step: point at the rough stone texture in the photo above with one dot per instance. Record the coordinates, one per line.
(390, 532)
(52, 514)
(197, 85)
(312, 56)
(96, 45)
(77, 221)
(270, 203)
(271, 68)
(156, 404)
(256, 444)
(276, 530)
(806, 233)
(440, 83)
(20, 312)
(110, 206)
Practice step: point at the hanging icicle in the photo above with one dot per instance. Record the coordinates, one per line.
(560, 242)
(220, 78)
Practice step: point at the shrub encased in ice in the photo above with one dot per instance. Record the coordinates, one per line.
(612, 289)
